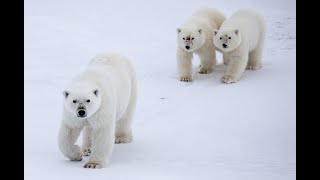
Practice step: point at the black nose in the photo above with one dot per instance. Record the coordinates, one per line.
(81, 113)
(187, 47)
(224, 45)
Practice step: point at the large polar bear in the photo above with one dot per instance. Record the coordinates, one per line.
(241, 40)
(195, 36)
(102, 101)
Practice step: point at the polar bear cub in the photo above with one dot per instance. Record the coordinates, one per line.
(100, 101)
(195, 36)
(241, 40)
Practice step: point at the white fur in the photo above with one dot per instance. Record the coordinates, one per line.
(108, 114)
(199, 26)
(246, 29)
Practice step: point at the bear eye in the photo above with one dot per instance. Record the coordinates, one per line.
(74, 101)
(220, 37)
(88, 100)
(192, 38)
(184, 38)
(229, 37)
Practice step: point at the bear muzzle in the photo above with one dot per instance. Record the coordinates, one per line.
(81, 112)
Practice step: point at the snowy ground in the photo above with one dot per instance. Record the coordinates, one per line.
(200, 130)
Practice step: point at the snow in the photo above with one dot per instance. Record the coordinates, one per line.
(199, 130)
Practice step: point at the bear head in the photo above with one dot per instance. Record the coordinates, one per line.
(82, 102)
(226, 40)
(190, 39)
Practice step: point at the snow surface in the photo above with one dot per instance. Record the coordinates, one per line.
(200, 130)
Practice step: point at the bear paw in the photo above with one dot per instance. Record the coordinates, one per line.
(185, 79)
(203, 71)
(228, 79)
(253, 67)
(92, 165)
(123, 139)
(86, 151)
(77, 154)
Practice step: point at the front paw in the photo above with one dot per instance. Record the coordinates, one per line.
(203, 71)
(185, 79)
(228, 79)
(86, 151)
(93, 165)
(76, 154)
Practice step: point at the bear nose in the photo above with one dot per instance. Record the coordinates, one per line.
(81, 113)
(187, 47)
(224, 45)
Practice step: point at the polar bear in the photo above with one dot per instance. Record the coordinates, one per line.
(241, 40)
(195, 36)
(100, 101)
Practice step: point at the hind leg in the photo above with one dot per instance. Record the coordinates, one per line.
(255, 57)
(208, 60)
(123, 131)
(123, 126)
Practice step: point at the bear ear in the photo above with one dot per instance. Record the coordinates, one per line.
(215, 31)
(96, 92)
(200, 31)
(65, 94)
(236, 31)
(179, 30)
